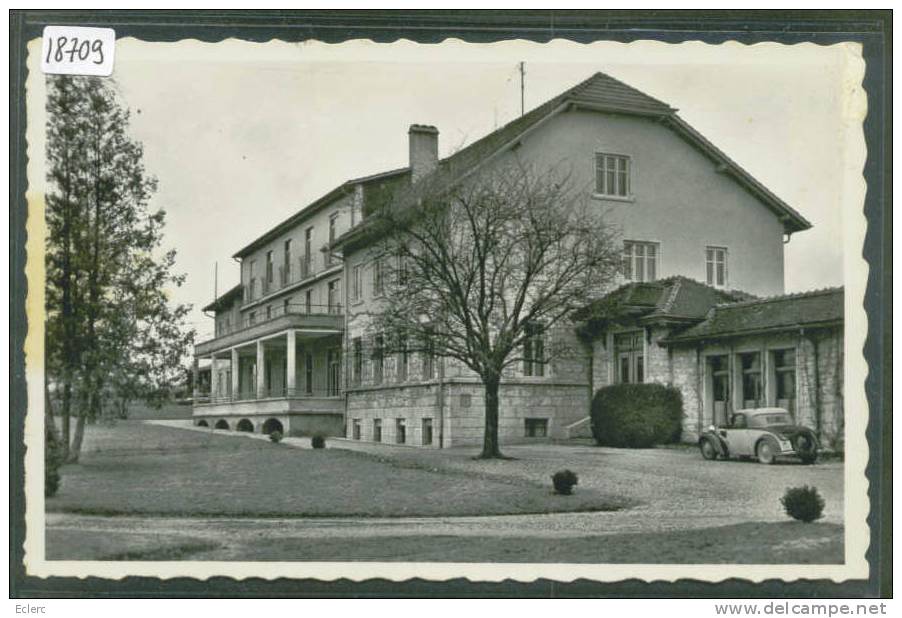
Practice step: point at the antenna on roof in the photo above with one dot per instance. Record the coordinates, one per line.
(522, 85)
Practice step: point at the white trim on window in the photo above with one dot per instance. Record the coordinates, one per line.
(613, 174)
(717, 266)
(641, 260)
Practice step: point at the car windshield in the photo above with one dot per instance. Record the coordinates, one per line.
(772, 418)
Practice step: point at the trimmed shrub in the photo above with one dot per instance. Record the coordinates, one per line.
(53, 459)
(637, 415)
(275, 436)
(318, 442)
(563, 482)
(803, 503)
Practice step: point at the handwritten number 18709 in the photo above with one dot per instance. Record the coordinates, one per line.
(82, 49)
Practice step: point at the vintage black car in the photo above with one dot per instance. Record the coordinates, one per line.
(764, 433)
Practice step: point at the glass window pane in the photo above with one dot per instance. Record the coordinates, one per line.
(721, 279)
(710, 273)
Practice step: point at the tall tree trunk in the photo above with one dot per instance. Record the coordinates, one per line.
(65, 414)
(490, 447)
(75, 449)
(49, 422)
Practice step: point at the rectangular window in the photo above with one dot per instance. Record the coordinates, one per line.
(750, 366)
(308, 373)
(308, 302)
(784, 363)
(332, 228)
(534, 353)
(429, 358)
(378, 278)
(307, 267)
(716, 266)
(333, 296)
(536, 427)
(403, 358)
(612, 175)
(427, 431)
(252, 318)
(357, 283)
(286, 306)
(357, 367)
(355, 429)
(403, 271)
(269, 266)
(401, 431)
(378, 359)
(286, 262)
(640, 261)
(377, 430)
(630, 354)
(268, 312)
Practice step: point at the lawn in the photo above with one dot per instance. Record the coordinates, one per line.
(136, 469)
(747, 543)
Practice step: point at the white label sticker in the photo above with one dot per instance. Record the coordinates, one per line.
(73, 50)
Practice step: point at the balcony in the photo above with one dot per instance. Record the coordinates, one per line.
(311, 318)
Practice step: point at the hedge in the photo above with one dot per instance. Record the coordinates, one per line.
(637, 415)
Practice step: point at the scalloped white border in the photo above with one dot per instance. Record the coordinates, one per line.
(856, 271)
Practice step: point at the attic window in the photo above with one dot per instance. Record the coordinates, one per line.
(612, 175)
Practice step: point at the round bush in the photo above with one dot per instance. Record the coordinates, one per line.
(276, 436)
(803, 503)
(637, 415)
(318, 442)
(563, 482)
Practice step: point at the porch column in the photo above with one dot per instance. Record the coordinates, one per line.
(261, 371)
(290, 363)
(194, 377)
(236, 374)
(214, 379)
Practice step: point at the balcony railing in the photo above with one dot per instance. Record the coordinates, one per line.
(274, 393)
(261, 316)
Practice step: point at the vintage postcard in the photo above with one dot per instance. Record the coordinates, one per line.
(498, 311)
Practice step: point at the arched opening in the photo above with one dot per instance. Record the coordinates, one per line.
(202, 423)
(221, 424)
(273, 424)
(245, 425)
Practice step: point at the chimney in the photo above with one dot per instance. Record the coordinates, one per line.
(423, 150)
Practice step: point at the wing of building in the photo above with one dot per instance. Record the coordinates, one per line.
(291, 351)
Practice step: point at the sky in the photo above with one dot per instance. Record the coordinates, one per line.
(241, 135)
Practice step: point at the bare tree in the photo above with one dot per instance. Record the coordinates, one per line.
(481, 269)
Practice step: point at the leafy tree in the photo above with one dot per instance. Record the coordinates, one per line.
(109, 321)
(477, 268)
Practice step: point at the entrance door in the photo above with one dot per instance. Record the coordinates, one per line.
(719, 370)
(334, 363)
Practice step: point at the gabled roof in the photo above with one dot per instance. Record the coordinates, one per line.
(600, 92)
(674, 299)
(777, 313)
(333, 195)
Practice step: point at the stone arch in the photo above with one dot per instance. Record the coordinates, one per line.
(221, 424)
(202, 423)
(244, 425)
(271, 425)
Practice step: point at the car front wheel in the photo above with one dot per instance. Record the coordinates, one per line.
(708, 450)
(765, 453)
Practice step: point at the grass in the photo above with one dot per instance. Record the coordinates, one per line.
(137, 469)
(747, 543)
